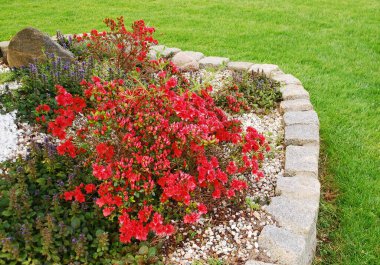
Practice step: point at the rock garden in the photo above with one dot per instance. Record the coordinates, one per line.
(117, 150)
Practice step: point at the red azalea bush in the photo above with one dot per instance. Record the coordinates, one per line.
(149, 141)
(126, 49)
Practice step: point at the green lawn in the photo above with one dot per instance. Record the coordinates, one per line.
(333, 47)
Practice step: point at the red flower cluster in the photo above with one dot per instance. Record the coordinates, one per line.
(126, 48)
(41, 111)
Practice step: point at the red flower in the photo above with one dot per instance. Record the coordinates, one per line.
(162, 74)
(67, 147)
(63, 98)
(191, 218)
(172, 82)
(231, 168)
(68, 195)
(202, 209)
(105, 151)
(43, 108)
(101, 172)
(89, 188)
(238, 184)
(108, 210)
(230, 193)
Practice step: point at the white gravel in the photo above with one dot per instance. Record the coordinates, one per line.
(3, 68)
(8, 135)
(14, 138)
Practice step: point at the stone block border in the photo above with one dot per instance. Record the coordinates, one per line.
(296, 205)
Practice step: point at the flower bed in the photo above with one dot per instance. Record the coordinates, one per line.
(174, 165)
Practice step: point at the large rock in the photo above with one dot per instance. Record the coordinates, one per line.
(30, 44)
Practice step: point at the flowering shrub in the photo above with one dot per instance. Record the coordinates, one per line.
(260, 92)
(126, 49)
(232, 100)
(37, 227)
(248, 92)
(149, 146)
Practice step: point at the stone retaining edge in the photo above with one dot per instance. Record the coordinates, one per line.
(297, 204)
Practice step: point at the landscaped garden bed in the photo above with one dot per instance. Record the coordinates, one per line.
(122, 156)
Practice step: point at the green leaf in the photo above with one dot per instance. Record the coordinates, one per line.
(75, 222)
(6, 213)
(144, 250)
(152, 252)
(41, 181)
(99, 232)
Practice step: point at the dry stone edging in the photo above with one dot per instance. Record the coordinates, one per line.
(298, 192)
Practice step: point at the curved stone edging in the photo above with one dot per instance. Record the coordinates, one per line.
(297, 204)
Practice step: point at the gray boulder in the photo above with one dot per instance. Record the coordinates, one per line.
(30, 44)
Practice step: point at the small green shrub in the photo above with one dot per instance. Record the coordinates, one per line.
(250, 91)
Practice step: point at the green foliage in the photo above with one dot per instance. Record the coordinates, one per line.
(7, 77)
(38, 227)
(248, 91)
(251, 204)
(260, 91)
(78, 49)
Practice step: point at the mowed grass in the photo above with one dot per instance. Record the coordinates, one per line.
(332, 46)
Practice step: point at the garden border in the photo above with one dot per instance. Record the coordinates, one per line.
(295, 208)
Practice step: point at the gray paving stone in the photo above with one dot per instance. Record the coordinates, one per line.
(301, 134)
(297, 216)
(293, 91)
(285, 247)
(256, 262)
(301, 161)
(195, 55)
(301, 117)
(268, 69)
(239, 66)
(300, 188)
(286, 78)
(295, 105)
(163, 51)
(213, 62)
(185, 62)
